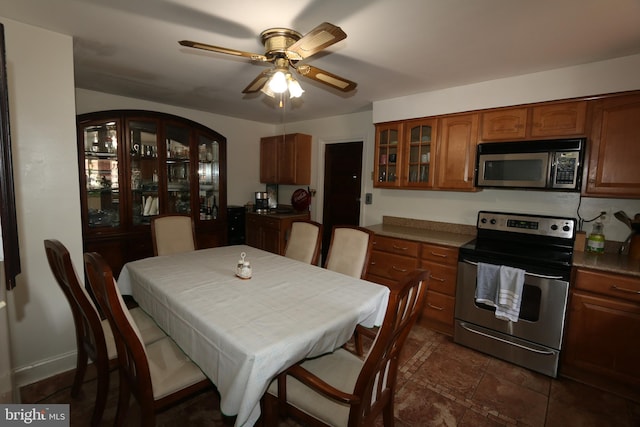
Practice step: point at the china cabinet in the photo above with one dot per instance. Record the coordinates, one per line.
(286, 159)
(138, 164)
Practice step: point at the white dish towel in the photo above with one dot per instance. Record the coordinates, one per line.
(487, 285)
(509, 294)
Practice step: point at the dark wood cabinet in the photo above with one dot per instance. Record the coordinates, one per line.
(270, 232)
(138, 164)
(286, 159)
(614, 147)
(603, 331)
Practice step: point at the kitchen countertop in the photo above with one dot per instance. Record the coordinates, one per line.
(609, 262)
(439, 233)
(456, 235)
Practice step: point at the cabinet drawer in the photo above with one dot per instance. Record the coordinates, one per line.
(396, 246)
(615, 285)
(391, 266)
(440, 254)
(442, 278)
(439, 309)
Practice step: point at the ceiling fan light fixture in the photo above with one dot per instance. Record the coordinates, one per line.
(278, 82)
(295, 90)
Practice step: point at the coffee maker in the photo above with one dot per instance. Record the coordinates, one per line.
(262, 202)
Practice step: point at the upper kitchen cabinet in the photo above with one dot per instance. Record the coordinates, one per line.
(138, 164)
(547, 120)
(419, 145)
(388, 155)
(456, 154)
(286, 159)
(614, 147)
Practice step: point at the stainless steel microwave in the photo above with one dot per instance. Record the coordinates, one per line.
(546, 164)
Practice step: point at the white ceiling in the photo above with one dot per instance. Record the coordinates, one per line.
(393, 48)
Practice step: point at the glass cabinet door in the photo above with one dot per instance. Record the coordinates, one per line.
(419, 145)
(208, 177)
(101, 174)
(388, 155)
(143, 157)
(178, 170)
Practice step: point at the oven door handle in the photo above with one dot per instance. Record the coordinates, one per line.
(534, 350)
(541, 276)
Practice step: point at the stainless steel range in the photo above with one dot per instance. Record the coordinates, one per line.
(542, 246)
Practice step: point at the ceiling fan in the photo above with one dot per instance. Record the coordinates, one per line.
(286, 48)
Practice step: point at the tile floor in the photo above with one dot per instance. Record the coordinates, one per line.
(439, 384)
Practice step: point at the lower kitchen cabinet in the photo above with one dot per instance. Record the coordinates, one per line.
(392, 258)
(270, 232)
(602, 339)
(442, 263)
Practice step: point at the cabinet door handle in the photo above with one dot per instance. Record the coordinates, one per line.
(439, 255)
(401, 270)
(629, 291)
(434, 307)
(373, 263)
(401, 248)
(436, 278)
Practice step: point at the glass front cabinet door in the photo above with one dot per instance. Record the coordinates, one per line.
(136, 165)
(388, 155)
(420, 140)
(103, 210)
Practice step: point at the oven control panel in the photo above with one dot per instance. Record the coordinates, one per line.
(541, 225)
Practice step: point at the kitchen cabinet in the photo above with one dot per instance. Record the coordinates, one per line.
(419, 149)
(388, 155)
(603, 331)
(270, 232)
(286, 159)
(546, 120)
(456, 154)
(405, 154)
(614, 147)
(391, 259)
(138, 164)
(442, 263)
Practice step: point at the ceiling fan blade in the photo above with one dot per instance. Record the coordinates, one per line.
(314, 41)
(204, 46)
(258, 82)
(326, 77)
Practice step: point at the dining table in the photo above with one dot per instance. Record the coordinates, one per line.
(243, 332)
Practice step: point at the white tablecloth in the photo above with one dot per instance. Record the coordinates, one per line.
(242, 333)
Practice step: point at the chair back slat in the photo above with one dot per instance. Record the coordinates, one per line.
(377, 379)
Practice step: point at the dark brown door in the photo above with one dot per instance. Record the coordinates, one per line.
(342, 185)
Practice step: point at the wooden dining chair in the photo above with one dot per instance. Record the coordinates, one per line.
(172, 234)
(94, 338)
(158, 375)
(304, 241)
(350, 250)
(342, 389)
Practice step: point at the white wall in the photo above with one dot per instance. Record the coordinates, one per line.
(42, 114)
(243, 138)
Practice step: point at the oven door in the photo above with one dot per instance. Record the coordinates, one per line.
(542, 310)
(514, 170)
